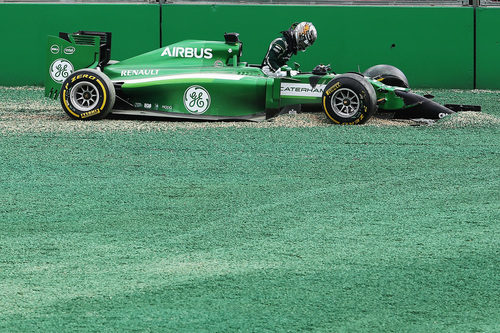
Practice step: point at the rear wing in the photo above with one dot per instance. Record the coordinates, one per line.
(70, 52)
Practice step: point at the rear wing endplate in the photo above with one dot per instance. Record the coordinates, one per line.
(70, 52)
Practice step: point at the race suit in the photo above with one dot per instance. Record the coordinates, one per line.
(279, 53)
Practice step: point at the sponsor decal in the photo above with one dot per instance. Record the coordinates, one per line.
(218, 63)
(167, 107)
(54, 49)
(197, 99)
(83, 76)
(133, 72)
(138, 105)
(187, 52)
(214, 76)
(90, 113)
(277, 48)
(60, 70)
(69, 50)
(156, 107)
(333, 88)
(302, 89)
(147, 105)
(230, 50)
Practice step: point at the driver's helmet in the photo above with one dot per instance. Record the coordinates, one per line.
(305, 34)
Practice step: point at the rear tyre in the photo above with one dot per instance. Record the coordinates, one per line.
(349, 99)
(87, 94)
(388, 74)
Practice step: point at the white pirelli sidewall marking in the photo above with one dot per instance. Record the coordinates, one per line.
(209, 76)
(302, 89)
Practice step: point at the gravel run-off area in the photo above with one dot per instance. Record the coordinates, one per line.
(24, 110)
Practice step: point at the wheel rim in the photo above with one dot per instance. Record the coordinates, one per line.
(345, 103)
(84, 96)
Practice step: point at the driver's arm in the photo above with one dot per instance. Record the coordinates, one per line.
(275, 57)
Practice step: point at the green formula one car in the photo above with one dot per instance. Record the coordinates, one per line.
(207, 80)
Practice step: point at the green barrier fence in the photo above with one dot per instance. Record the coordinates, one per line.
(25, 29)
(488, 48)
(434, 46)
(428, 44)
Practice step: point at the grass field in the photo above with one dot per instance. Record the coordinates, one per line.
(289, 225)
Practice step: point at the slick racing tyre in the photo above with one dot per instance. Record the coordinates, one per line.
(87, 94)
(349, 99)
(388, 74)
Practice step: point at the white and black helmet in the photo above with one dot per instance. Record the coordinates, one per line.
(305, 34)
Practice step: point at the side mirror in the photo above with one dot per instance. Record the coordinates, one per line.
(296, 66)
(322, 69)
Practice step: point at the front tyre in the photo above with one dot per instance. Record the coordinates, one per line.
(87, 94)
(349, 99)
(388, 74)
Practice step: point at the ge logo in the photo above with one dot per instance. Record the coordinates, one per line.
(196, 99)
(60, 70)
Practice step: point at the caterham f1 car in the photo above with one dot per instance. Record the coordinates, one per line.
(207, 80)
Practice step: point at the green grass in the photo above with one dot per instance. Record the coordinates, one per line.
(334, 229)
